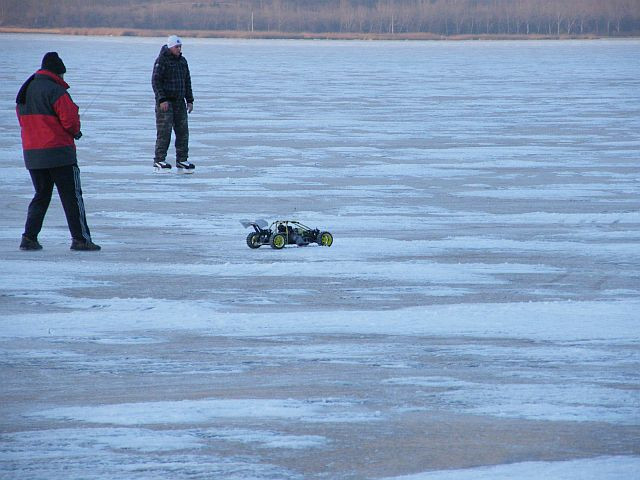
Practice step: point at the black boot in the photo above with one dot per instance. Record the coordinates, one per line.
(28, 243)
(81, 245)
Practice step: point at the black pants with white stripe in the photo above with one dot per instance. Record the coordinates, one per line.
(67, 181)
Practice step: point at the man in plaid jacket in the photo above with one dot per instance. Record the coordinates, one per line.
(171, 83)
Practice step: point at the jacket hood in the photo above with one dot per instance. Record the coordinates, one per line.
(54, 77)
(22, 93)
(165, 51)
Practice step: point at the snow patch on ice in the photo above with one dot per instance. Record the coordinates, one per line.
(599, 468)
(267, 439)
(198, 411)
(553, 321)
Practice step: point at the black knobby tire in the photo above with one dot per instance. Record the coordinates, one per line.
(253, 240)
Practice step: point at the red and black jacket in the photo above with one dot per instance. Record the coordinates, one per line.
(49, 120)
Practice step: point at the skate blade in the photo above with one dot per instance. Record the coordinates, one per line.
(185, 171)
(161, 171)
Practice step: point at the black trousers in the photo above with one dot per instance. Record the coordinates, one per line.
(67, 181)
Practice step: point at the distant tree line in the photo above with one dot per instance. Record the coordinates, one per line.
(441, 17)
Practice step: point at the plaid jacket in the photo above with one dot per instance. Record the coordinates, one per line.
(171, 79)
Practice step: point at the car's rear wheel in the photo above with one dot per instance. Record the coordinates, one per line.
(253, 240)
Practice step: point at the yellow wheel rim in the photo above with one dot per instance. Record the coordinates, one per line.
(326, 239)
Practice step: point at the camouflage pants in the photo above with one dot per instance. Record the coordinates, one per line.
(175, 118)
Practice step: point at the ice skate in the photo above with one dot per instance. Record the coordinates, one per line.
(184, 166)
(161, 167)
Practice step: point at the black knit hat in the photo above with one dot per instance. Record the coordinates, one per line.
(52, 62)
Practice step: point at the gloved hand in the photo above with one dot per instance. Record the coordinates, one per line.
(189, 107)
(77, 135)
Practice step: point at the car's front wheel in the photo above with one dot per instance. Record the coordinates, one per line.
(325, 239)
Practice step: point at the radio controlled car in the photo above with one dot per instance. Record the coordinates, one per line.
(285, 232)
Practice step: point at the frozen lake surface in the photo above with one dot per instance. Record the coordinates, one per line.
(476, 318)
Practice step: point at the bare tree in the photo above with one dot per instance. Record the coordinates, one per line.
(442, 17)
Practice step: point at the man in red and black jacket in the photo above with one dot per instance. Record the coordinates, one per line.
(50, 122)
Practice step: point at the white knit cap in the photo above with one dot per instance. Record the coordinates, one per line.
(173, 40)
